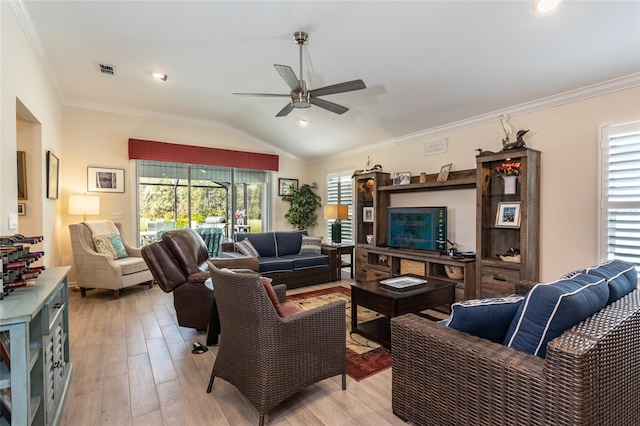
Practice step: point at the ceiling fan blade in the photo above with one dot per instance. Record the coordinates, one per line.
(288, 76)
(329, 106)
(272, 95)
(347, 86)
(285, 111)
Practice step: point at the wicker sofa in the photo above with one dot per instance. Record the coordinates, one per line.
(590, 375)
(280, 259)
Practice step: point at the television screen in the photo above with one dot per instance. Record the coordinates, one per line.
(420, 228)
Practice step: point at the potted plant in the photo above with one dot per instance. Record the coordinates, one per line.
(304, 203)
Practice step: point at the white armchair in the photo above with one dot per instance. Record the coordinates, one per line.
(97, 270)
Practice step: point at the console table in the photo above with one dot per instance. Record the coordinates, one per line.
(36, 368)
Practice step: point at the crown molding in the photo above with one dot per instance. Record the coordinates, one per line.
(622, 83)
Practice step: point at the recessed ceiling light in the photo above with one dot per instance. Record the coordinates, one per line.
(302, 122)
(544, 6)
(159, 76)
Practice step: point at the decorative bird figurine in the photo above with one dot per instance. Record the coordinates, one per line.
(506, 127)
(520, 134)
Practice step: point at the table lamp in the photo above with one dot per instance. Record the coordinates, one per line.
(84, 205)
(336, 212)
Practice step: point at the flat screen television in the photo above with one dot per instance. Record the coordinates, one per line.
(420, 228)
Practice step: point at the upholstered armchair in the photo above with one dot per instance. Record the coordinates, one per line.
(179, 264)
(267, 357)
(111, 270)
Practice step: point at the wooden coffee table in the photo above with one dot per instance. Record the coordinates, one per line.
(392, 303)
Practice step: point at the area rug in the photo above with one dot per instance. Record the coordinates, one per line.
(364, 357)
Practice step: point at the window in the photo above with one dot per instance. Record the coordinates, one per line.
(340, 191)
(175, 195)
(619, 236)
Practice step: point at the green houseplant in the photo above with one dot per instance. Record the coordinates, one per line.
(304, 202)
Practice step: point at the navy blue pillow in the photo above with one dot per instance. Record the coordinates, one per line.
(486, 318)
(621, 276)
(265, 243)
(289, 242)
(550, 309)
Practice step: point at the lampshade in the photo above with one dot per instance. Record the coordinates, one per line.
(336, 211)
(84, 205)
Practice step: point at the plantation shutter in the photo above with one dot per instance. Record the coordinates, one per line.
(620, 224)
(340, 191)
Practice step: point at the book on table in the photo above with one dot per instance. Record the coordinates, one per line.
(402, 283)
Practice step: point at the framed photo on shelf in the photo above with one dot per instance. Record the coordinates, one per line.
(508, 215)
(367, 214)
(53, 175)
(105, 180)
(287, 186)
(22, 209)
(444, 172)
(22, 175)
(402, 178)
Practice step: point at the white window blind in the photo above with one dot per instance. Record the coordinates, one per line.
(340, 191)
(620, 193)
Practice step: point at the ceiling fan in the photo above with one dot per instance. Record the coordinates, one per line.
(300, 96)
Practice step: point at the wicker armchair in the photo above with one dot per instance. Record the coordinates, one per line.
(590, 376)
(269, 358)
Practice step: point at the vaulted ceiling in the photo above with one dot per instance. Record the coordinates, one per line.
(425, 63)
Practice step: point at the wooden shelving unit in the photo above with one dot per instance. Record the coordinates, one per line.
(496, 277)
(374, 262)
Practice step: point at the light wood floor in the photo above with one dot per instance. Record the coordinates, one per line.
(132, 365)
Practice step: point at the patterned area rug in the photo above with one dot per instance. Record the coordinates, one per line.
(364, 357)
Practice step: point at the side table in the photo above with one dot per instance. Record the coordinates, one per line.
(343, 249)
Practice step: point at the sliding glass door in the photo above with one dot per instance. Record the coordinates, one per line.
(220, 199)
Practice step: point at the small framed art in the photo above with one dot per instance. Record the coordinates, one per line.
(367, 214)
(402, 178)
(287, 186)
(53, 175)
(444, 172)
(22, 175)
(22, 209)
(508, 215)
(105, 180)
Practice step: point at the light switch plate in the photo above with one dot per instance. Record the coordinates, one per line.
(13, 221)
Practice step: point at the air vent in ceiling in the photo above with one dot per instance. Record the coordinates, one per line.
(107, 69)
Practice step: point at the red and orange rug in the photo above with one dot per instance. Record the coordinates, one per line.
(364, 357)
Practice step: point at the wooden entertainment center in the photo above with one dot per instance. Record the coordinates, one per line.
(486, 275)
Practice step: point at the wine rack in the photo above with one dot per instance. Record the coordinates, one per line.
(18, 269)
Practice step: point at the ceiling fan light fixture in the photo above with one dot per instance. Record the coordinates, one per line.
(299, 100)
(544, 6)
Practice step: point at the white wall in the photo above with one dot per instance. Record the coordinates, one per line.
(567, 135)
(23, 78)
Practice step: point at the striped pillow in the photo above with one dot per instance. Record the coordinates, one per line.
(310, 245)
(245, 247)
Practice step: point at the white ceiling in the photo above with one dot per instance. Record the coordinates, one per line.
(426, 64)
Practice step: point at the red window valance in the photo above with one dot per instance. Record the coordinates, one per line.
(175, 153)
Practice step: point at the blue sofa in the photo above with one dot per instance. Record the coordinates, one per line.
(279, 258)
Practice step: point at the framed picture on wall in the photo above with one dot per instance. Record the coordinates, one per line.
(367, 214)
(22, 175)
(22, 209)
(287, 186)
(53, 175)
(444, 172)
(100, 179)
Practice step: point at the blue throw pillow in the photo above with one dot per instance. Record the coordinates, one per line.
(621, 276)
(550, 309)
(486, 318)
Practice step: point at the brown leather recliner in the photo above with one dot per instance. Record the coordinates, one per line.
(178, 263)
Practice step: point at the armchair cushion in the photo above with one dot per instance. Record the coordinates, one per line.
(284, 309)
(486, 318)
(111, 245)
(310, 245)
(245, 247)
(550, 309)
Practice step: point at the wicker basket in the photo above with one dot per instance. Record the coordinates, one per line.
(454, 272)
(412, 267)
